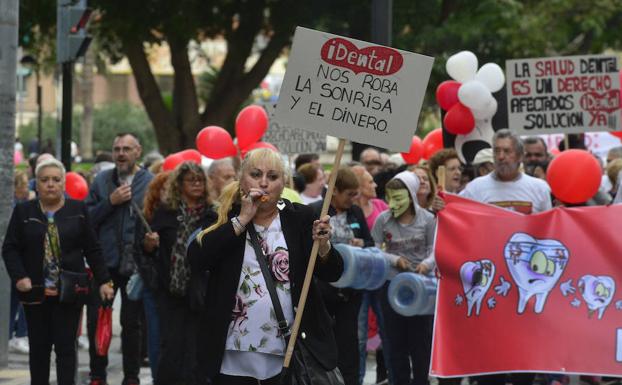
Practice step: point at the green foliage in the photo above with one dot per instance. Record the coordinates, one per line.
(498, 30)
(108, 120)
(495, 30)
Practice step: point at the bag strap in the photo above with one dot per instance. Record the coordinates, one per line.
(283, 325)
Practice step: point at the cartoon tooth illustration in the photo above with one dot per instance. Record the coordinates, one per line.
(477, 277)
(535, 265)
(597, 292)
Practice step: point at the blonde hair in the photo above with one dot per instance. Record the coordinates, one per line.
(231, 194)
(20, 179)
(432, 193)
(613, 168)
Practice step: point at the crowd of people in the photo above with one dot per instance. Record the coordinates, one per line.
(222, 253)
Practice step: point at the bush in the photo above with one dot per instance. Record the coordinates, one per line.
(108, 120)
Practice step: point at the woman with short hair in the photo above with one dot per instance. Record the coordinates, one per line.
(46, 237)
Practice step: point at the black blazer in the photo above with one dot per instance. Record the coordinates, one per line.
(23, 248)
(222, 252)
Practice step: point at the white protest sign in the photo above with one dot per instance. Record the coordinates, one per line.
(571, 94)
(290, 140)
(353, 90)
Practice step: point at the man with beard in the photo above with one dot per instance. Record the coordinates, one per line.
(536, 158)
(113, 198)
(507, 186)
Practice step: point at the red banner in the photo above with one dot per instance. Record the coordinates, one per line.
(528, 293)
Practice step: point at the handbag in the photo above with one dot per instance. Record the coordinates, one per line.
(103, 330)
(304, 368)
(74, 287)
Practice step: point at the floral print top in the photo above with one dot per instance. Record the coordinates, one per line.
(253, 325)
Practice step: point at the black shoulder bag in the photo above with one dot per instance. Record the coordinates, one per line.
(304, 369)
(74, 288)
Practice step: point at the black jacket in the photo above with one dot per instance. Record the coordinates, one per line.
(23, 248)
(166, 224)
(356, 220)
(222, 252)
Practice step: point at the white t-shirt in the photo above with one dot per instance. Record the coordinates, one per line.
(525, 194)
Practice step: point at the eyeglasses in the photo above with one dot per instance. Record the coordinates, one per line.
(194, 180)
(118, 150)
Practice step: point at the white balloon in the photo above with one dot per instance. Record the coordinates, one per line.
(462, 66)
(483, 132)
(487, 112)
(474, 95)
(492, 76)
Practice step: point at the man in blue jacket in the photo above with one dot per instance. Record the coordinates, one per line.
(114, 217)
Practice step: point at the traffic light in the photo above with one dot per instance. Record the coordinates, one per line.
(72, 41)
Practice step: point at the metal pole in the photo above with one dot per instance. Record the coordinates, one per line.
(381, 33)
(65, 147)
(39, 111)
(9, 17)
(382, 21)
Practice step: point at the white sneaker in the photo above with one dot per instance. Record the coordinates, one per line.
(19, 345)
(83, 342)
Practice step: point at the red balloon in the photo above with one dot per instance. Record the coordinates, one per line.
(459, 120)
(257, 145)
(190, 155)
(215, 142)
(171, 161)
(76, 186)
(432, 142)
(447, 94)
(250, 125)
(574, 176)
(413, 156)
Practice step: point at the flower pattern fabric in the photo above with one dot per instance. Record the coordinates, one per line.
(253, 325)
(51, 259)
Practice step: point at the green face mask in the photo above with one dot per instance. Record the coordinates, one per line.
(399, 201)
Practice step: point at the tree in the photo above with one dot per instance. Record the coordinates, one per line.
(239, 22)
(262, 29)
(500, 30)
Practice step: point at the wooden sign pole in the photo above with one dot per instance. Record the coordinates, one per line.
(440, 176)
(314, 250)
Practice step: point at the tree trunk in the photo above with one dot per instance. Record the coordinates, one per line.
(177, 129)
(167, 133)
(86, 127)
(9, 10)
(185, 101)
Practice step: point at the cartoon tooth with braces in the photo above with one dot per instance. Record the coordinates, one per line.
(597, 292)
(477, 277)
(536, 266)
